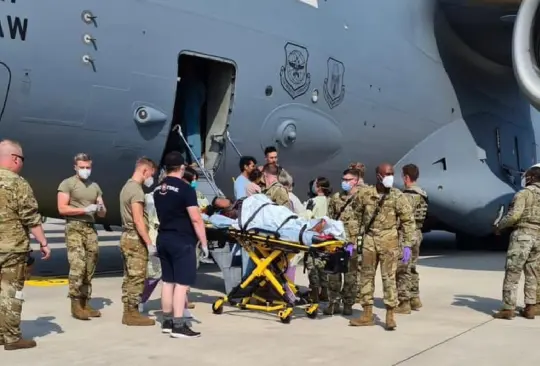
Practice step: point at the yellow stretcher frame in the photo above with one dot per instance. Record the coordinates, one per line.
(272, 252)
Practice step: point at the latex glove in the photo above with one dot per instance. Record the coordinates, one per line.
(406, 255)
(205, 252)
(310, 205)
(91, 208)
(152, 250)
(349, 248)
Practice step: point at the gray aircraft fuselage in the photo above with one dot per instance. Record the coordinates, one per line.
(397, 81)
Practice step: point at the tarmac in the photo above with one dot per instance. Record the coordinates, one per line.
(459, 290)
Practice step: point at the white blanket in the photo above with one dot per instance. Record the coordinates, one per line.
(271, 217)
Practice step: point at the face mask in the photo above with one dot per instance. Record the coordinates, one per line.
(388, 181)
(149, 182)
(194, 184)
(314, 188)
(346, 186)
(84, 173)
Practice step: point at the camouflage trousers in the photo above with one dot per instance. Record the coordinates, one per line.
(82, 253)
(12, 276)
(523, 256)
(135, 256)
(386, 253)
(407, 277)
(344, 286)
(316, 274)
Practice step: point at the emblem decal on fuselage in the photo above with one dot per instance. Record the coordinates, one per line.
(294, 76)
(334, 88)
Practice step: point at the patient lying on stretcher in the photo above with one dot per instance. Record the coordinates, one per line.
(258, 212)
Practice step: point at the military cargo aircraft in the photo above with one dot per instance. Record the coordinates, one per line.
(328, 82)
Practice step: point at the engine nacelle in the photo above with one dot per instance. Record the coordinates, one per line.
(525, 47)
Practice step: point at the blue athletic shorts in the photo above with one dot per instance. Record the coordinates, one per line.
(178, 260)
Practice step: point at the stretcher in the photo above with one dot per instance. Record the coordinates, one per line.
(265, 289)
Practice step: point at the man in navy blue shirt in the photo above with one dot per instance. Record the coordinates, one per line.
(180, 227)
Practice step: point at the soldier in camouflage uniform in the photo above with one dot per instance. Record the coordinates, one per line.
(407, 277)
(18, 216)
(380, 242)
(79, 199)
(342, 208)
(275, 190)
(524, 250)
(135, 242)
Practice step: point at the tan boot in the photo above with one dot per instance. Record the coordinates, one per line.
(403, 308)
(332, 308)
(190, 305)
(504, 314)
(390, 321)
(347, 310)
(92, 313)
(77, 310)
(323, 296)
(365, 320)
(528, 312)
(132, 317)
(20, 344)
(537, 309)
(416, 304)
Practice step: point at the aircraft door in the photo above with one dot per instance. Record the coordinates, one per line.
(5, 81)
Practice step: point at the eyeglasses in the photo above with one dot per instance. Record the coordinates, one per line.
(18, 156)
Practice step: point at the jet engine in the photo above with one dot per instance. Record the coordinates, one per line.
(526, 50)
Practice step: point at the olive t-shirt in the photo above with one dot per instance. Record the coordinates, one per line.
(81, 194)
(130, 193)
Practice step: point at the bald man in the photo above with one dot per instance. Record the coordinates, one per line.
(386, 215)
(18, 215)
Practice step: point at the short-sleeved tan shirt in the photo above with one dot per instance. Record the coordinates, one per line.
(81, 194)
(131, 192)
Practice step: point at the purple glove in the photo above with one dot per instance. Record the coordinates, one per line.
(349, 248)
(406, 255)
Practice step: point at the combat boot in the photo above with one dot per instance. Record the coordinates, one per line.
(20, 344)
(390, 321)
(365, 320)
(77, 310)
(332, 309)
(92, 313)
(537, 309)
(416, 304)
(403, 308)
(323, 296)
(504, 314)
(133, 318)
(347, 309)
(314, 295)
(528, 312)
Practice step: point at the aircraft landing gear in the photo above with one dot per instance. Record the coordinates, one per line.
(490, 242)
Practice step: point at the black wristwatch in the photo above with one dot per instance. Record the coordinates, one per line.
(43, 246)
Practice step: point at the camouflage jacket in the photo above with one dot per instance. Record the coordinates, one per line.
(524, 211)
(18, 213)
(394, 220)
(278, 194)
(418, 200)
(349, 216)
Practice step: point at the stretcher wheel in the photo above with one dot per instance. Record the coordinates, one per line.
(285, 315)
(217, 307)
(312, 311)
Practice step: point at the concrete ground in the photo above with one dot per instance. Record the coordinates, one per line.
(459, 291)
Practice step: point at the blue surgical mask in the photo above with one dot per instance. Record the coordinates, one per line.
(314, 188)
(346, 186)
(194, 184)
